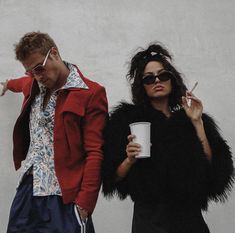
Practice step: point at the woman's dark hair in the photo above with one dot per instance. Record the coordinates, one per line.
(155, 52)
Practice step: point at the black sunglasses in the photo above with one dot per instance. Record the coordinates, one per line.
(162, 76)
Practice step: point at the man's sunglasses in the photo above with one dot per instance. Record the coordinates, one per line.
(39, 69)
(162, 76)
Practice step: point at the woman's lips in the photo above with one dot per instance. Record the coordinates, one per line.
(158, 88)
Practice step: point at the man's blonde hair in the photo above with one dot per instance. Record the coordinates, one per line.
(33, 42)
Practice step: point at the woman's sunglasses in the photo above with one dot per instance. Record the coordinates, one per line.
(162, 76)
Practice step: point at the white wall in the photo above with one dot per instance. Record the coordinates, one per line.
(101, 36)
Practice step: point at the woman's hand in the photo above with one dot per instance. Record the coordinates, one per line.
(132, 149)
(193, 110)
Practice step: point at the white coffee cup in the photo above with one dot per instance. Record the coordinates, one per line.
(141, 130)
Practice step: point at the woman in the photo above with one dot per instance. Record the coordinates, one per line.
(190, 162)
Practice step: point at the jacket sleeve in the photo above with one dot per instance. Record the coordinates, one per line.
(92, 129)
(222, 169)
(18, 85)
(115, 136)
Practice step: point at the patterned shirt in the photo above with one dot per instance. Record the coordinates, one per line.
(40, 156)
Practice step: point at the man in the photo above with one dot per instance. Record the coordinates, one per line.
(59, 136)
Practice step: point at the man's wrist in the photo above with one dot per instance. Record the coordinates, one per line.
(79, 207)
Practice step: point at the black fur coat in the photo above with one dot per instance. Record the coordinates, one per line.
(178, 171)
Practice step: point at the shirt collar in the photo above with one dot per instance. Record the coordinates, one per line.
(74, 80)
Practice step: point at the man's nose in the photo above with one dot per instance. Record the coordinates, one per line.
(38, 77)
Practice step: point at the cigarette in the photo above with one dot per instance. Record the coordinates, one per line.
(195, 85)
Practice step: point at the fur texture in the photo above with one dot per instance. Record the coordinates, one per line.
(178, 171)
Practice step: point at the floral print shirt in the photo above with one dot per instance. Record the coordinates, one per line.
(40, 156)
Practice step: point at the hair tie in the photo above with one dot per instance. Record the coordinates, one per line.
(152, 54)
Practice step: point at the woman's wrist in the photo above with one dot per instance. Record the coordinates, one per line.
(130, 161)
(197, 122)
(124, 167)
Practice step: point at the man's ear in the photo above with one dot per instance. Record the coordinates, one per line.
(55, 53)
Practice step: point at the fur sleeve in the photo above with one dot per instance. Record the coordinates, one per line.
(222, 170)
(191, 177)
(188, 170)
(115, 141)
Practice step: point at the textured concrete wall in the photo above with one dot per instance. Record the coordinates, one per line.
(101, 36)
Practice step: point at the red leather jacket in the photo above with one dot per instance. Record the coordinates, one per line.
(80, 116)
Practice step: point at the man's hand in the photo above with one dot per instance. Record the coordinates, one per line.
(3, 87)
(83, 213)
